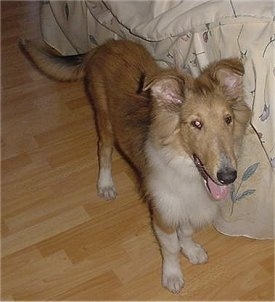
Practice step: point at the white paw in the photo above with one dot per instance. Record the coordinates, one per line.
(108, 193)
(105, 185)
(195, 253)
(172, 280)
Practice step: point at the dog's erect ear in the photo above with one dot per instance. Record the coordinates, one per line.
(166, 89)
(229, 73)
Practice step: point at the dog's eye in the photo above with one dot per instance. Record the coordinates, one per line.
(197, 124)
(228, 119)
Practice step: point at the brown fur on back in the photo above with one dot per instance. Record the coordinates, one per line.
(115, 79)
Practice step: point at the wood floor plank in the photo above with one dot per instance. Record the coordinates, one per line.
(42, 231)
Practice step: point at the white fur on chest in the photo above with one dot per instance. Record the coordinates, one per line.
(177, 189)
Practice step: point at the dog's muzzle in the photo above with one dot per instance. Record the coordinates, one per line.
(225, 177)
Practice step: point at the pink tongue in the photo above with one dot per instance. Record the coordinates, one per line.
(217, 192)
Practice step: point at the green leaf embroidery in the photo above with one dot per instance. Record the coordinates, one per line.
(245, 194)
(250, 171)
(234, 193)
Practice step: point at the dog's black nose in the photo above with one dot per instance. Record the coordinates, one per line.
(226, 176)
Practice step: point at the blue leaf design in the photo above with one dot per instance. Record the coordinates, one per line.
(250, 171)
(266, 113)
(246, 194)
(233, 193)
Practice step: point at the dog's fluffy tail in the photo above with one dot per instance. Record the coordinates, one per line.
(61, 68)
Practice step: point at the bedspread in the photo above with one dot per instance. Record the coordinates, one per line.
(190, 35)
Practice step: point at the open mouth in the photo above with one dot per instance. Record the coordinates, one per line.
(217, 191)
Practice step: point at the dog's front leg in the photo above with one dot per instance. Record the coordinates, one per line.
(172, 277)
(192, 250)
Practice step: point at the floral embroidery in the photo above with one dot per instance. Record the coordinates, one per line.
(242, 52)
(266, 112)
(271, 40)
(186, 37)
(207, 33)
(236, 195)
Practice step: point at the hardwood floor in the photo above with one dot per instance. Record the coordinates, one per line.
(60, 241)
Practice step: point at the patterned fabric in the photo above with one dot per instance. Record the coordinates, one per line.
(190, 35)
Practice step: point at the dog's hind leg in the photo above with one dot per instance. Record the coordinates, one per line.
(192, 250)
(105, 184)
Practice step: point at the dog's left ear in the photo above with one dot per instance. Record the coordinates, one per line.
(166, 89)
(229, 73)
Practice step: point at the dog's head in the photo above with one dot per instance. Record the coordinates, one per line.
(204, 117)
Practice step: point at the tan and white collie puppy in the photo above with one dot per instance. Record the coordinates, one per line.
(181, 134)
